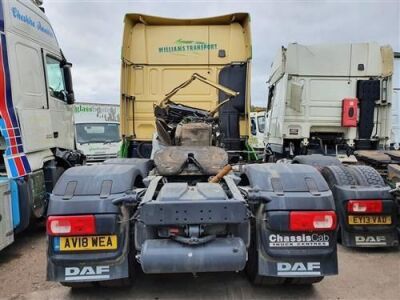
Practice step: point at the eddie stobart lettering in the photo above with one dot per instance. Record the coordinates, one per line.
(182, 46)
(300, 240)
(24, 18)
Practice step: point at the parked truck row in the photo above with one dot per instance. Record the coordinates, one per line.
(194, 205)
(330, 106)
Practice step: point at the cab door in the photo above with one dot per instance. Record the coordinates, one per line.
(61, 113)
(29, 94)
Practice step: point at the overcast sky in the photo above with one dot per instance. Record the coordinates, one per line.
(90, 32)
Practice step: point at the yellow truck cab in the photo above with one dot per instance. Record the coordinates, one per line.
(158, 54)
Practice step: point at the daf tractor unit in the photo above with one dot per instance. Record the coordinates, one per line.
(330, 106)
(97, 131)
(188, 208)
(36, 130)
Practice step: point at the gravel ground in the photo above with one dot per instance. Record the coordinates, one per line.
(364, 274)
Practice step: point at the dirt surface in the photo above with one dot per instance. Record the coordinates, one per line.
(22, 265)
(364, 274)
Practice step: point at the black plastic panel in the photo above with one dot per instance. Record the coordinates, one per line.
(368, 91)
(234, 77)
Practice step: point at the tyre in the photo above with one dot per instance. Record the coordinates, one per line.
(338, 175)
(316, 160)
(252, 264)
(367, 176)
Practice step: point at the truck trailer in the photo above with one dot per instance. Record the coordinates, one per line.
(330, 106)
(36, 130)
(97, 130)
(187, 209)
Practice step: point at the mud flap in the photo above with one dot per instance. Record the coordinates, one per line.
(299, 267)
(372, 239)
(363, 235)
(87, 272)
(311, 255)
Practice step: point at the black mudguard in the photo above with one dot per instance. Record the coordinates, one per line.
(91, 190)
(318, 258)
(279, 189)
(366, 236)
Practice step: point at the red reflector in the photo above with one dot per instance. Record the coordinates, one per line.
(349, 112)
(312, 220)
(174, 231)
(71, 225)
(364, 206)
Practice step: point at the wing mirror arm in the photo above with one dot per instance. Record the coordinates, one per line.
(66, 67)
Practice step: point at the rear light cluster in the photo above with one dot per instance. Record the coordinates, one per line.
(365, 206)
(71, 225)
(312, 220)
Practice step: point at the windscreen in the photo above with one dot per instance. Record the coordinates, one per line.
(261, 124)
(97, 133)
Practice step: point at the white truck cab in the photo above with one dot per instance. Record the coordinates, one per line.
(328, 97)
(97, 131)
(257, 130)
(36, 129)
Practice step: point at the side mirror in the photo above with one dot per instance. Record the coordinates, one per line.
(66, 66)
(270, 96)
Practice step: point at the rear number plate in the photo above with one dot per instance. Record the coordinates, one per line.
(85, 243)
(370, 220)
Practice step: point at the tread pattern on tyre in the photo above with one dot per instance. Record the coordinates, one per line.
(369, 174)
(318, 161)
(338, 175)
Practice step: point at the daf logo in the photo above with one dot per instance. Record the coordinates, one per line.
(299, 268)
(87, 272)
(370, 240)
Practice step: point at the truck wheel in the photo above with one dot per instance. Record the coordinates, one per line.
(338, 175)
(305, 281)
(316, 160)
(367, 175)
(252, 265)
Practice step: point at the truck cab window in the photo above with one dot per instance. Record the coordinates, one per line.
(253, 127)
(55, 79)
(97, 133)
(261, 124)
